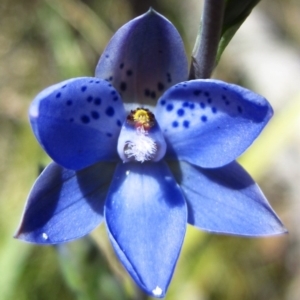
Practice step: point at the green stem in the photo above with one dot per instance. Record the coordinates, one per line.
(207, 42)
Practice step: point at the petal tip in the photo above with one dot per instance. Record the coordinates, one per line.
(158, 292)
(151, 10)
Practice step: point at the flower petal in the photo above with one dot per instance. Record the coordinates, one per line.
(146, 219)
(144, 58)
(209, 122)
(64, 205)
(226, 200)
(78, 121)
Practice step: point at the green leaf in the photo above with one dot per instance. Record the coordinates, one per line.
(236, 12)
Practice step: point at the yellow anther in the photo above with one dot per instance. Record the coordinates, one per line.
(141, 117)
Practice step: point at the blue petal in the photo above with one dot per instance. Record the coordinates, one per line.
(209, 122)
(226, 200)
(144, 58)
(146, 219)
(78, 121)
(64, 205)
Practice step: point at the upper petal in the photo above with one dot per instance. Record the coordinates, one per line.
(144, 57)
(209, 122)
(78, 121)
(226, 200)
(64, 205)
(146, 219)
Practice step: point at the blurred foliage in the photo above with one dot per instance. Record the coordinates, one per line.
(45, 41)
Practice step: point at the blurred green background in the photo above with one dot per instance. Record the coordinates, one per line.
(46, 41)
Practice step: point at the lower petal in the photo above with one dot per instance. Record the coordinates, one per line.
(64, 205)
(146, 219)
(226, 200)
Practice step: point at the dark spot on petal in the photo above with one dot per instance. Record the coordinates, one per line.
(169, 78)
(169, 107)
(119, 123)
(180, 112)
(197, 92)
(71, 120)
(123, 86)
(116, 98)
(95, 115)
(97, 81)
(107, 56)
(160, 86)
(185, 104)
(162, 102)
(64, 86)
(85, 119)
(186, 124)
(91, 81)
(206, 94)
(97, 101)
(83, 88)
(204, 118)
(240, 110)
(69, 102)
(58, 95)
(110, 111)
(129, 72)
(224, 88)
(147, 92)
(175, 124)
(214, 110)
(109, 134)
(224, 97)
(202, 105)
(209, 100)
(192, 106)
(121, 66)
(227, 102)
(153, 95)
(89, 99)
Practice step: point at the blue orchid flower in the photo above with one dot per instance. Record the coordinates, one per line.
(146, 152)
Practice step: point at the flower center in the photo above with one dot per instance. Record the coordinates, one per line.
(141, 138)
(142, 117)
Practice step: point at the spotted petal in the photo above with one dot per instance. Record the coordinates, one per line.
(78, 121)
(226, 200)
(146, 219)
(209, 122)
(145, 57)
(64, 205)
